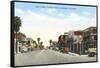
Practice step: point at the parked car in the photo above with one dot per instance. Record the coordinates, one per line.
(24, 49)
(64, 50)
(92, 52)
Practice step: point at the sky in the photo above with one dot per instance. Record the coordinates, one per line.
(48, 21)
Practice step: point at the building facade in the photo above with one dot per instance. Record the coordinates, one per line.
(18, 40)
(89, 38)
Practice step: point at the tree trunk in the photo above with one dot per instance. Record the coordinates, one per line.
(16, 41)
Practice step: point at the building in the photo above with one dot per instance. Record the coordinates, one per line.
(20, 36)
(77, 42)
(89, 38)
(61, 41)
(74, 41)
(69, 40)
(18, 40)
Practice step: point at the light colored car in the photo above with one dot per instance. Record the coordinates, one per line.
(24, 49)
(92, 52)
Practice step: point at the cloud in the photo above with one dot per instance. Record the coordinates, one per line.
(86, 13)
(47, 27)
(19, 11)
(51, 10)
(61, 14)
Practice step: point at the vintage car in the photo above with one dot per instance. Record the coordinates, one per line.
(92, 52)
(64, 50)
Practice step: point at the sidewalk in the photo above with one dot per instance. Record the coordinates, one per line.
(74, 54)
(35, 49)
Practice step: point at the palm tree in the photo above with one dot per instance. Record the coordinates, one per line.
(28, 43)
(50, 41)
(41, 45)
(38, 39)
(34, 42)
(17, 25)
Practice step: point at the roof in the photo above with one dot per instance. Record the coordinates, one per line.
(78, 33)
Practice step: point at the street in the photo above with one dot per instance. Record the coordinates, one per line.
(39, 57)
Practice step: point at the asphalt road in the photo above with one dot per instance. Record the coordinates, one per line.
(39, 57)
